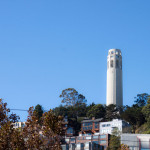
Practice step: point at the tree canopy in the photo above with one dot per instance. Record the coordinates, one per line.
(70, 97)
(97, 111)
(38, 111)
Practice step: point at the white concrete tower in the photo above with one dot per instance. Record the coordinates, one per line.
(114, 78)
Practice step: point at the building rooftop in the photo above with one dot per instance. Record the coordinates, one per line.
(93, 120)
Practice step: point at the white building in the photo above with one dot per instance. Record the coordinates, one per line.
(136, 141)
(18, 125)
(114, 78)
(108, 127)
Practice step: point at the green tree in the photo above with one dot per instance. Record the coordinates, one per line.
(134, 116)
(141, 99)
(76, 106)
(114, 142)
(70, 97)
(97, 111)
(38, 111)
(90, 106)
(112, 112)
(61, 111)
(146, 111)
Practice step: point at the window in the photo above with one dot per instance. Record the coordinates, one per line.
(112, 52)
(120, 64)
(117, 63)
(96, 124)
(103, 125)
(117, 56)
(111, 63)
(86, 144)
(108, 125)
(88, 137)
(69, 131)
(87, 126)
(72, 139)
(95, 137)
(102, 142)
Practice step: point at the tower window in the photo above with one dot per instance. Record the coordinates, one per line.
(117, 56)
(111, 63)
(117, 63)
(120, 64)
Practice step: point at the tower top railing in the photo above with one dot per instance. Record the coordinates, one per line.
(114, 51)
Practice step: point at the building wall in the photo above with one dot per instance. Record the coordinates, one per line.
(18, 125)
(136, 141)
(85, 142)
(107, 127)
(114, 78)
(90, 126)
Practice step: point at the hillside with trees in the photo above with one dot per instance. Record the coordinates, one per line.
(76, 109)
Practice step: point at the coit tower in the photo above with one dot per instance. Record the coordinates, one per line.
(114, 78)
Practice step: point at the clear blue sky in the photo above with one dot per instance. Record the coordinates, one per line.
(49, 45)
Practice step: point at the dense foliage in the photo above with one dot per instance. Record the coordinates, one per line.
(136, 115)
(33, 135)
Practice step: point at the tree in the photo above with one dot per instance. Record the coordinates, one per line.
(38, 112)
(31, 131)
(45, 136)
(141, 99)
(70, 97)
(97, 111)
(34, 135)
(146, 111)
(124, 147)
(134, 116)
(112, 112)
(60, 111)
(90, 106)
(9, 137)
(52, 130)
(114, 142)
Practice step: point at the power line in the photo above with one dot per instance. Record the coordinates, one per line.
(23, 110)
(19, 109)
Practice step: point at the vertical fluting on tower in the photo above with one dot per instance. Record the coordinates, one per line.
(114, 78)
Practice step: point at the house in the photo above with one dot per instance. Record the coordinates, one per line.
(20, 125)
(90, 127)
(68, 130)
(108, 127)
(86, 142)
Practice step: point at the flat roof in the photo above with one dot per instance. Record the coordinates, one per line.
(95, 120)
